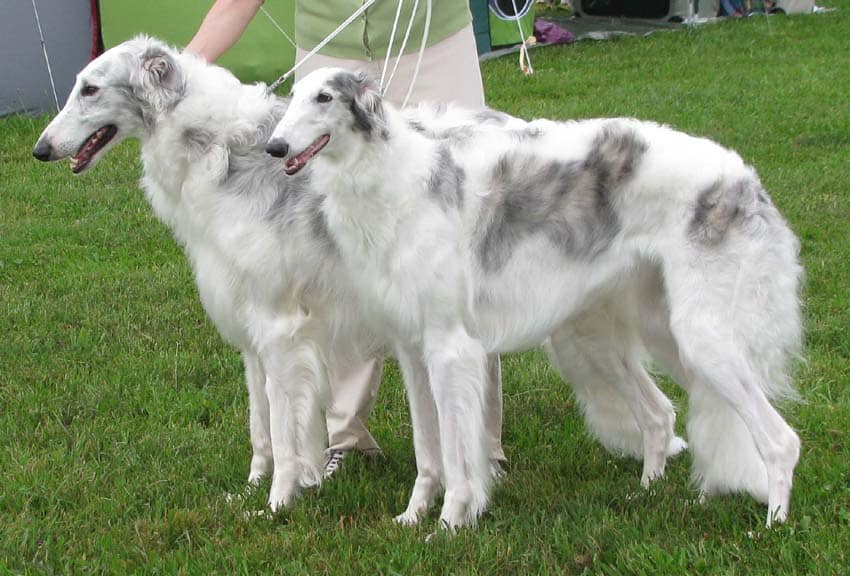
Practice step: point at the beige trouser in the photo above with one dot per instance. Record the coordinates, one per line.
(449, 72)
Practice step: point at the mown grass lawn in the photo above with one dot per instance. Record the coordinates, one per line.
(123, 415)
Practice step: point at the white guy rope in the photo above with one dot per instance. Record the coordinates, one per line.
(320, 45)
(276, 25)
(46, 59)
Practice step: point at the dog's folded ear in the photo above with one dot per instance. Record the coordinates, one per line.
(161, 80)
(368, 94)
(160, 70)
(368, 106)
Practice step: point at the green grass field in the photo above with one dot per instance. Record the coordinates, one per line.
(123, 416)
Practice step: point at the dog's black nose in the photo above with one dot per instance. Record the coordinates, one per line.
(43, 150)
(277, 147)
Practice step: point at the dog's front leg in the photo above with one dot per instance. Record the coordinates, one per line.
(426, 436)
(458, 375)
(295, 382)
(262, 460)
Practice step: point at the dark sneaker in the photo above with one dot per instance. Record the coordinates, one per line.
(334, 462)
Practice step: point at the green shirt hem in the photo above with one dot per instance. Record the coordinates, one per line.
(368, 36)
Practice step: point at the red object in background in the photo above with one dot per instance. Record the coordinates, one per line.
(96, 36)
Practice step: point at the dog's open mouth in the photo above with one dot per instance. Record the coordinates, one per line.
(297, 162)
(92, 146)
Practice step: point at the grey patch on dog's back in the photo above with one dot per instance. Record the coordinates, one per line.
(492, 117)
(522, 135)
(723, 207)
(447, 178)
(570, 203)
(615, 154)
(457, 134)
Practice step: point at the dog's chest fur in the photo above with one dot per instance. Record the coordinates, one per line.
(396, 243)
(236, 256)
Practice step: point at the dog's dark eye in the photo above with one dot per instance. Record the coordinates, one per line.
(323, 98)
(89, 90)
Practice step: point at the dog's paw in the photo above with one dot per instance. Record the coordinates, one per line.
(261, 466)
(283, 491)
(676, 446)
(777, 516)
(457, 513)
(407, 518)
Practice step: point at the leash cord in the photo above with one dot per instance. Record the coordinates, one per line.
(421, 52)
(274, 85)
(278, 26)
(392, 40)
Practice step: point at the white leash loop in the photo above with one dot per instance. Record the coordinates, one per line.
(384, 87)
(421, 52)
(392, 40)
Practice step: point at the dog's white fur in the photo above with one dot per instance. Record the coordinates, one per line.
(610, 238)
(267, 274)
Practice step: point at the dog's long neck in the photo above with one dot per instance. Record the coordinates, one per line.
(192, 140)
(217, 111)
(372, 189)
(378, 170)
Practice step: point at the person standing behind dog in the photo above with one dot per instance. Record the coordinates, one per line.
(449, 72)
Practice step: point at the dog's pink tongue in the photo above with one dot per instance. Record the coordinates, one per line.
(297, 162)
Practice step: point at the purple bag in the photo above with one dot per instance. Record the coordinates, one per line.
(548, 32)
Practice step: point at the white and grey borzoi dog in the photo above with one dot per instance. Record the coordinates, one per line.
(267, 272)
(264, 267)
(607, 238)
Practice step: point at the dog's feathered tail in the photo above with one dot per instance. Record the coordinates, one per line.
(740, 360)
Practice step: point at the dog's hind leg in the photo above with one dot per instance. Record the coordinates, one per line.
(599, 353)
(458, 375)
(262, 460)
(426, 437)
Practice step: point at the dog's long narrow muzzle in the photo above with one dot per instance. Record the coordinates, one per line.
(277, 147)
